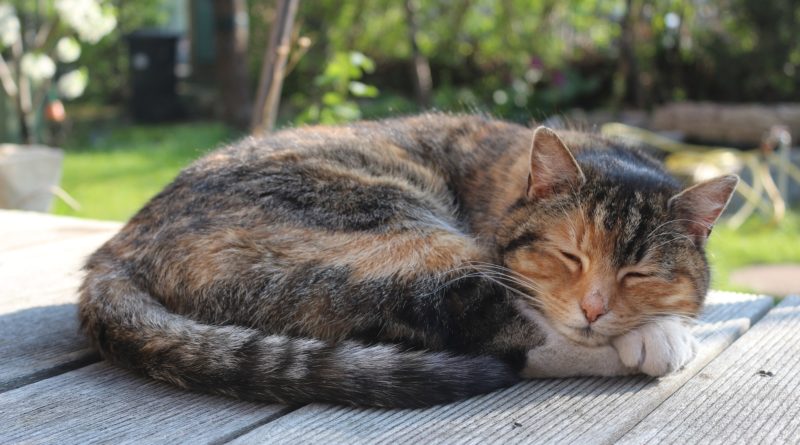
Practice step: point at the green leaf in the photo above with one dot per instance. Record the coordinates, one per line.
(360, 89)
(309, 116)
(347, 111)
(360, 60)
(332, 98)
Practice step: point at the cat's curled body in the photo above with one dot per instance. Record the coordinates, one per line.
(404, 262)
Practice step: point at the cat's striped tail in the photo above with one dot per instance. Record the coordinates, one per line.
(132, 329)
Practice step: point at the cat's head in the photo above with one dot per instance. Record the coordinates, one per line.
(607, 240)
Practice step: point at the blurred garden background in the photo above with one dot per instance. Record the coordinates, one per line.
(134, 91)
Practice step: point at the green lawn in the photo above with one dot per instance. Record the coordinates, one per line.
(114, 172)
(756, 242)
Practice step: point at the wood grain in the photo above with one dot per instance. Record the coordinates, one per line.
(585, 410)
(40, 261)
(38, 328)
(19, 230)
(45, 274)
(40, 342)
(749, 394)
(103, 404)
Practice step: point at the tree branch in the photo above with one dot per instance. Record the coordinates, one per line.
(7, 79)
(273, 68)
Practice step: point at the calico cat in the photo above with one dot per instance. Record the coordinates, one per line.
(405, 263)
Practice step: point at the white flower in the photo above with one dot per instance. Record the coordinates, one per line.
(88, 18)
(500, 97)
(672, 20)
(38, 67)
(68, 50)
(9, 25)
(73, 83)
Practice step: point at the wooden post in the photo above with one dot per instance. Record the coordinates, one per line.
(265, 110)
(231, 30)
(629, 69)
(421, 72)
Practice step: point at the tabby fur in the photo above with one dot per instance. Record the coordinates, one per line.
(402, 263)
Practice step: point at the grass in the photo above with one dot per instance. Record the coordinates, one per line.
(113, 172)
(756, 242)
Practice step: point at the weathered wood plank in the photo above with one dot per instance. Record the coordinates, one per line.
(38, 328)
(20, 229)
(42, 274)
(585, 410)
(103, 404)
(40, 260)
(40, 342)
(749, 394)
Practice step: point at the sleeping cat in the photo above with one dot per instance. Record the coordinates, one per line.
(405, 263)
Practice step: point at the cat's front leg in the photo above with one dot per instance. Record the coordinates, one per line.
(658, 347)
(560, 356)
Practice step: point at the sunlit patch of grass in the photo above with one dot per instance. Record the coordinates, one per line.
(113, 174)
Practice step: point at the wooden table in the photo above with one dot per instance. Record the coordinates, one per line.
(743, 387)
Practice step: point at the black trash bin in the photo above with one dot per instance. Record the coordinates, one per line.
(154, 95)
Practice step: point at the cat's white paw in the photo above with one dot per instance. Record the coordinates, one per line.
(657, 348)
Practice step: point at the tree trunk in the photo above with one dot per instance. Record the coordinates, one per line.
(629, 70)
(22, 100)
(265, 110)
(421, 72)
(231, 32)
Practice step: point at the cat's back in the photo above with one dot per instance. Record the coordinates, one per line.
(346, 214)
(319, 171)
(433, 140)
(380, 177)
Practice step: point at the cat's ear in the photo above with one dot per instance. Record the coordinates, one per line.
(553, 168)
(699, 206)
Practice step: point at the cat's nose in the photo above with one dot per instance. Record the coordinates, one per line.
(592, 314)
(593, 306)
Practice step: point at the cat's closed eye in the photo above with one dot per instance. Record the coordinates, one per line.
(572, 258)
(636, 275)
